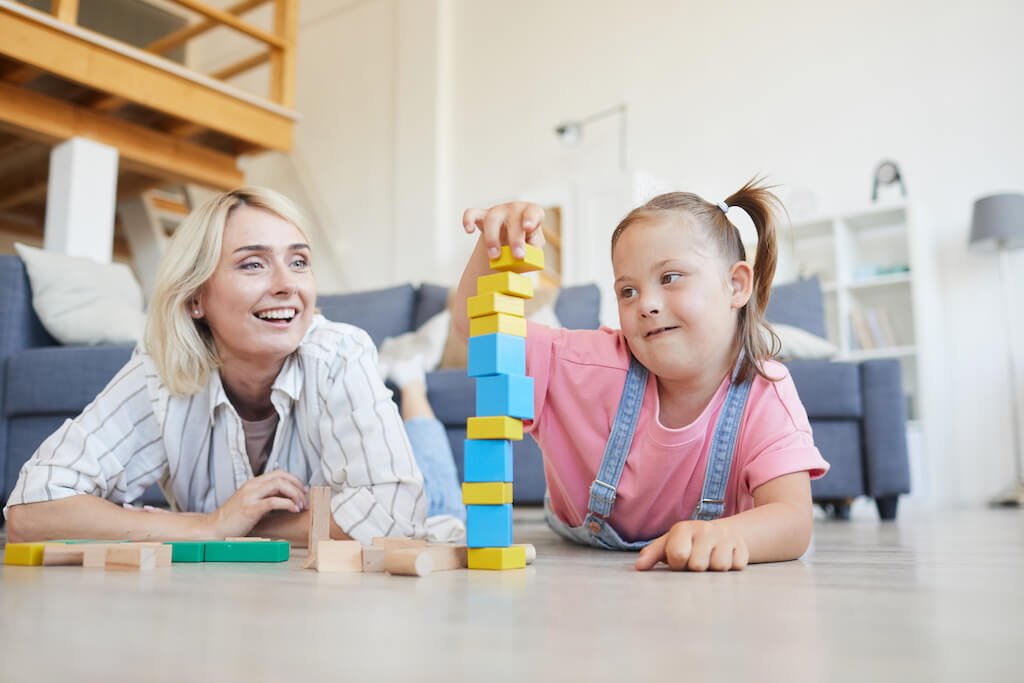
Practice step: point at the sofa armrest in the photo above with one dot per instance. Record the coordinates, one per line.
(886, 462)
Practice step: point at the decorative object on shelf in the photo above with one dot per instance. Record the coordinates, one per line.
(887, 172)
(998, 223)
(571, 132)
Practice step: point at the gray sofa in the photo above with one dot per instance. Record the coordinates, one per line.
(856, 410)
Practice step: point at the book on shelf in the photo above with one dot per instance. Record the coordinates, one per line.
(872, 328)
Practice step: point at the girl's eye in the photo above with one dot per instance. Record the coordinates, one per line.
(627, 292)
(669, 278)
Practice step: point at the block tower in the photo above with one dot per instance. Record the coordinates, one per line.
(504, 398)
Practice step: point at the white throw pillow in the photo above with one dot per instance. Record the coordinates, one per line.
(80, 301)
(798, 343)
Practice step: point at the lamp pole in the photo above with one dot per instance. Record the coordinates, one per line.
(1013, 496)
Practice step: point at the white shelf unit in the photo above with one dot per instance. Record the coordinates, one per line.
(865, 260)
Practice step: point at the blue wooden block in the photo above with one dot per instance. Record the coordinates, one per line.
(489, 526)
(510, 395)
(487, 460)
(493, 354)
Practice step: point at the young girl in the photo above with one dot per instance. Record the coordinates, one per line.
(677, 434)
(241, 396)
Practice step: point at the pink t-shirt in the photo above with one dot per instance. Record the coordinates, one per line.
(578, 379)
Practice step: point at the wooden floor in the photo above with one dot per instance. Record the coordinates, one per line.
(932, 597)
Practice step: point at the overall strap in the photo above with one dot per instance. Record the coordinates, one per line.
(723, 445)
(602, 491)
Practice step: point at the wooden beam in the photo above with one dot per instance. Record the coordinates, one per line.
(173, 40)
(71, 54)
(22, 188)
(242, 66)
(226, 18)
(282, 62)
(65, 10)
(141, 150)
(22, 74)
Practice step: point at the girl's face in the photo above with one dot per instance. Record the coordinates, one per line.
(259, 302)
(678, 298)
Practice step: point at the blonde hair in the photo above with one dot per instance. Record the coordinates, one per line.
(181, 347)
(753, 332)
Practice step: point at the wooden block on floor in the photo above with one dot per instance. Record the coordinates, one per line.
(532, 260)
(339, 556)
(512, 557)
(497, 323)
(395, 542)
(486, 493)
(57, 554)
(447, 556)
(262, 551)
(505, 282)
(488, 526)
(319, 499)
(531, 552)
(24, 554)
(490, 303)
(131, 556)
(494, 427)
(494, 354)
(409, 561)
(244, 539)
(94, 555)
(373, 558)
(487, 460)
(510, 395)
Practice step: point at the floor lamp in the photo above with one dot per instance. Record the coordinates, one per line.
(998, 222)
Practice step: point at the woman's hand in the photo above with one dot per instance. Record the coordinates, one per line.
(514, 224)
(696, 546)
(277, 490)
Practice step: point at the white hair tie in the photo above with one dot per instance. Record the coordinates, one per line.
(724, 207)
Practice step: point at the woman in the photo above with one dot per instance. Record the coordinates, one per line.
(239, 398)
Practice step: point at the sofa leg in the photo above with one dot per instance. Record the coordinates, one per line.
(887, 507)
(836, 508)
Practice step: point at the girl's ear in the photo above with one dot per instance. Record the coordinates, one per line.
(741, 280)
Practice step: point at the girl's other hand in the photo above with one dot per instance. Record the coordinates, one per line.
(697, 546)
(515, 224)
(277, 490)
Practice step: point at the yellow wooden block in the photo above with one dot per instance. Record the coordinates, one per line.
(494, 302)
(497, 322)
(487, 493)
(513, 557)
(534, 260)
(505, 283)
(25, 554)
(494, 427)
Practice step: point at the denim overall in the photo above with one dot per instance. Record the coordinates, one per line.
(596, 530)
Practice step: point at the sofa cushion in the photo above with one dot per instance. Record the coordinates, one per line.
(799, 304)
(579, 307)
(381, 312)
(430, 300)
(828, 389)
(58, 380)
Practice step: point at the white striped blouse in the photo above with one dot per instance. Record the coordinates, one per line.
(338, 427)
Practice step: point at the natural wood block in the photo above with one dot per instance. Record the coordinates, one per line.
(319, 520)
(505, 283)
(339, 556)
(131, 556)
(373, 558)
(512, 557)
(497, 323)
(56, 554)
(532, 260)
(486, 493)
(490, 303)
(531, 552)
(494, 427)
(409, 561)
(94, 555)
(447, 556)
(396, 542)
(244, 539)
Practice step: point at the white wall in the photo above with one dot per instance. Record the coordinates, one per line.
(811, 93)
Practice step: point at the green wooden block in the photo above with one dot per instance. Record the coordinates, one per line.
(187, 551)
(247, 551)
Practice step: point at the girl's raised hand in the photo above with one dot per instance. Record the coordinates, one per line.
(514, 223)
(276, 490)
(697, 546)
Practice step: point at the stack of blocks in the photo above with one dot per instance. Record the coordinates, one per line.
(504, 398)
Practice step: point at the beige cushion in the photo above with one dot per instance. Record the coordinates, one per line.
(798, 343)
(80, 301)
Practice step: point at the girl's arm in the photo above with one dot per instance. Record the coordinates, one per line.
(777, 528)
(514, 224)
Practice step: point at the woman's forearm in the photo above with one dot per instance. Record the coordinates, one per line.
(292, 527)
(86, 516)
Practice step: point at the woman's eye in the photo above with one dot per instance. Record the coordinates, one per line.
(627, 292)
(669, 278)
(251, 265)
(300, 262)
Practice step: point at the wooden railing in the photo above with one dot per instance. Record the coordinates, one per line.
(278, 45)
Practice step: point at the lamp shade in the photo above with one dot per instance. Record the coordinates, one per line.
(998, 221)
